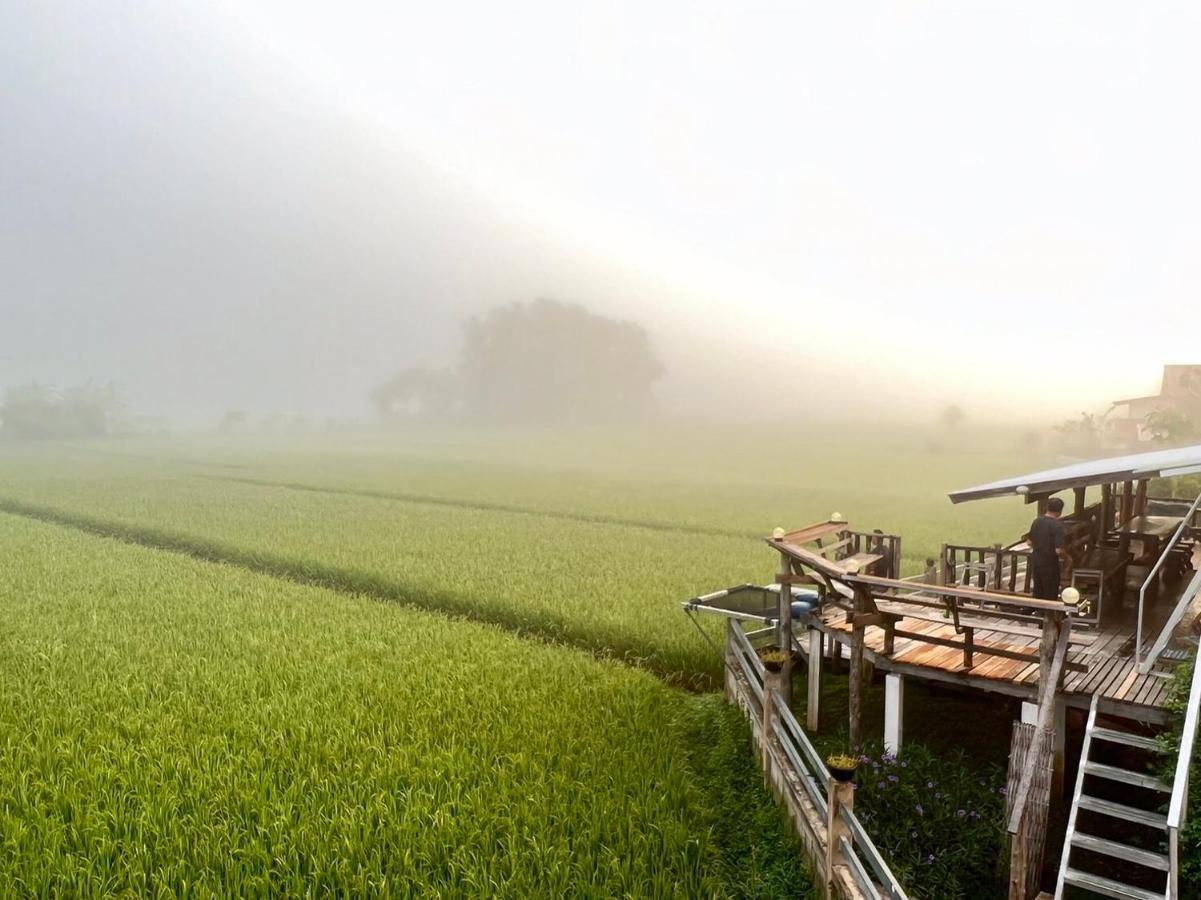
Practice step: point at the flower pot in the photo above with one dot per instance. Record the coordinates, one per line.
(772, 660)
(838, 773)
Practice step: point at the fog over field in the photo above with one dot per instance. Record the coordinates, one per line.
(276, 206)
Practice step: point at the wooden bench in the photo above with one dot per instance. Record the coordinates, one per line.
(909, 611)
(893, 612)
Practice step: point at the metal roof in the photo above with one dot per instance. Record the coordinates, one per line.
(1158, 463)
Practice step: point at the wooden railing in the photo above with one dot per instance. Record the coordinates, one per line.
(854, 849)
(995, 568)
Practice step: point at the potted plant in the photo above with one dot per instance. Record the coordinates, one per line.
(842, 766)
(773, 660)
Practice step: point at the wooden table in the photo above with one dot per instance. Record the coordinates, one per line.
(1152, 530)
(1153, 533)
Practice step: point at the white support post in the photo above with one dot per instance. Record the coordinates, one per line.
(894, 712)
(814, 681)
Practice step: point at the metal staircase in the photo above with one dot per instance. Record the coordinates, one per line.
(1143, 796)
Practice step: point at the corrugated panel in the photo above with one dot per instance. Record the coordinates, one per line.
(1178, 461)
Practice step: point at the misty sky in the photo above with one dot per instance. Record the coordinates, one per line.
(274, 205)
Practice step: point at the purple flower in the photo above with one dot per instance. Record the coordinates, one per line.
(879, 785)
(913, 835)
(975, 815)
(904, 764)
(893, 778)
(920, 810)
(961, 813)
(938, 795)
(929, 784)
(1002, 791)
(930, 858)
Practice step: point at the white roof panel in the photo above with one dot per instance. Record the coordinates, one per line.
(1177, 461)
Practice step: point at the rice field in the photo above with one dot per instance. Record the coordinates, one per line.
(443, 664)
(596, 552)
(170, 727)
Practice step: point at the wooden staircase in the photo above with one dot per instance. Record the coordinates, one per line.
(1143, 795)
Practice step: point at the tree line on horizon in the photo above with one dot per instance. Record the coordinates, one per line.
(539, 362)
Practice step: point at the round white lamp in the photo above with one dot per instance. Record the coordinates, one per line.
(777, 533)
(836, 517)
(1070, 597)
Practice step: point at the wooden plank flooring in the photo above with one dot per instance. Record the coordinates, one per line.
(1109, 672)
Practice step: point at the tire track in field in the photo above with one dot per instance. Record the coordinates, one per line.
(486, 506)
(542, 626)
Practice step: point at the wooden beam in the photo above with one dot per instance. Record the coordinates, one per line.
(1078, 506)
(856, 676)
(784, 635)
(1140, 498)
(1106, 509)
(1049, 678)
(914, 587)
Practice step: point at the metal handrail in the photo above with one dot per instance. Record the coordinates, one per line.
(809, 765)
(1153, 574)
(1178, 806)
(861, 838)
(810, 770)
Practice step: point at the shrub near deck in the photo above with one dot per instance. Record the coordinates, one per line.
(170, 727)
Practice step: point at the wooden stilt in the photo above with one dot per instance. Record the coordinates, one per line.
(814, 684)
(894, 711)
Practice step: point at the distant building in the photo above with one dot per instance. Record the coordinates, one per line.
(1179, 392)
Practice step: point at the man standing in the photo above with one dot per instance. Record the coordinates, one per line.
(1046, 545)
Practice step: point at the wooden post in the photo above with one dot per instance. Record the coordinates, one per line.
(944, 577)
(838, 795)
(1106, 510)
(1140, 498)
(1017, 865)
(814, 683)
(1078, 507)
(772, 688)
(1127, 502)
(894, 712)
(856, 676)
(1042, 504)
(1059, 752)
(784, 630)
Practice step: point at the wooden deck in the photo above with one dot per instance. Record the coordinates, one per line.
(1109, 663)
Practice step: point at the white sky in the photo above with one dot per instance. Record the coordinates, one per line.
(957, 199)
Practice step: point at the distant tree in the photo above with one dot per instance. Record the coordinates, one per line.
(38, 412)
(552, 362)
(1169, 426)
(418, 393)
(952, 415)
(233, 420)
(1081, 436)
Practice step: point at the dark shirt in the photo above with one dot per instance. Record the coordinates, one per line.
(1046, 536)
